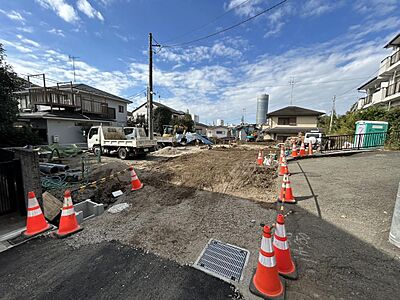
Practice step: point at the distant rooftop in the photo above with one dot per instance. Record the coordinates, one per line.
(295, 111)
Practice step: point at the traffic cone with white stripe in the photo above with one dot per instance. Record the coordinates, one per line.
(285, 263)
(310, 149)
(281, 196)
(136, 184)
(281, 155)
(68, 222)
(283, 168)
(35, 221)
(260, 158)
(302, 150)
(289, 198)
(294, 150)
(266, 282)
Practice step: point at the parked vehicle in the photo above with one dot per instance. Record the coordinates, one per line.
(313, 137)
(128, 141)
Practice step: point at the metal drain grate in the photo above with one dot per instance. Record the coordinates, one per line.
(222, 260)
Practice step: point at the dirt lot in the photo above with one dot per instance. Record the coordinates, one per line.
(187, 200)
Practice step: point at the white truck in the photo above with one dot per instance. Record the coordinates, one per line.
(128, 141)
(313, 137)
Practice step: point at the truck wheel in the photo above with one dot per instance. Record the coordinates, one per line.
(96, 150)
(122, 153)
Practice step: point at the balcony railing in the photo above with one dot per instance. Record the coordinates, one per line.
(394, 58)
(67, 99)
(393, 89)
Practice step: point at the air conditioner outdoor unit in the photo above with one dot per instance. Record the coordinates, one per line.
(56, 138)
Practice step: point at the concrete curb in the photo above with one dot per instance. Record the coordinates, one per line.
(331, 154)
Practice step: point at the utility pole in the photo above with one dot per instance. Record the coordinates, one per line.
(72, 58)
(150, 88)
(291, 82)
(332, 112)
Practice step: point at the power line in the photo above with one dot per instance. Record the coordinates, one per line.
(228, 28)
(137, 94)
(208, 23)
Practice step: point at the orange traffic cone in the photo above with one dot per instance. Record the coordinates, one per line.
(266, 282)
(260, 158)
(136, 184)
(35, 221)
(294, 150)
(282, 155)
(310, 149)
(302, 150)
(282, 191)
(284, 261)
(289, 198)
(68, 222)
(283, 168)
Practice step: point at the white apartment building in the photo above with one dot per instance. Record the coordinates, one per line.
(384, 89)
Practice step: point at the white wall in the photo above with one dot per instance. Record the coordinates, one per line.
(222, 132)
(66, 130)
(121, 118)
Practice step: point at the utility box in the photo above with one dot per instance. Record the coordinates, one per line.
(370, 134)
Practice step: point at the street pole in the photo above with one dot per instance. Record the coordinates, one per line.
(332, 112)
(150, 89)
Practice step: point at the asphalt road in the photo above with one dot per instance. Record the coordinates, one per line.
(46, 268)
(340, 228)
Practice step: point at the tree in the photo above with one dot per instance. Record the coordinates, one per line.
(162, 116)
(8, 105)
(186, 122)
(9, 83)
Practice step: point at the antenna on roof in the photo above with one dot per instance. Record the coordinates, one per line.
(291, 82)
(72, 58)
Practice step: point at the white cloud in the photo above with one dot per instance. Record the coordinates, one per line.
(26, 29)
(375, 7)
(197, 54)
(246, 9)
(55, 31)
(61, 8)
(28, 41)
(13, 15)
(85, 7)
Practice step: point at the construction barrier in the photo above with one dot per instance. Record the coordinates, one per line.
(275, 257)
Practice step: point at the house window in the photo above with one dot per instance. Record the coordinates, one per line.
(220, 132)
(120, 108)
(287, 121)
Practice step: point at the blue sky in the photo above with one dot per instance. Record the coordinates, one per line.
(328, 47)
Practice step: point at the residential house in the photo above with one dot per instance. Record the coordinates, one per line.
(142, 111)
(200, 128)
(289, 121)
(62, 113)
(218, 132)
(384, 89)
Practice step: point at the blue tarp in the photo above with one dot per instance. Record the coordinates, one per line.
(190, 137)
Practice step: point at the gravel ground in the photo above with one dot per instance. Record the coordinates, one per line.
(186, 201)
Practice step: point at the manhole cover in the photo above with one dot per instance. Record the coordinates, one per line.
(222, 260)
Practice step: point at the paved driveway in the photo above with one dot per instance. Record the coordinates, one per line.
(49, 269)
(341, 225)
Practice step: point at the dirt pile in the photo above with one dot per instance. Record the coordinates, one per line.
(230, 171)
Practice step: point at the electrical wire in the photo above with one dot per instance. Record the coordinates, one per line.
(137, 94)
(227, 28)
(208, 23)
